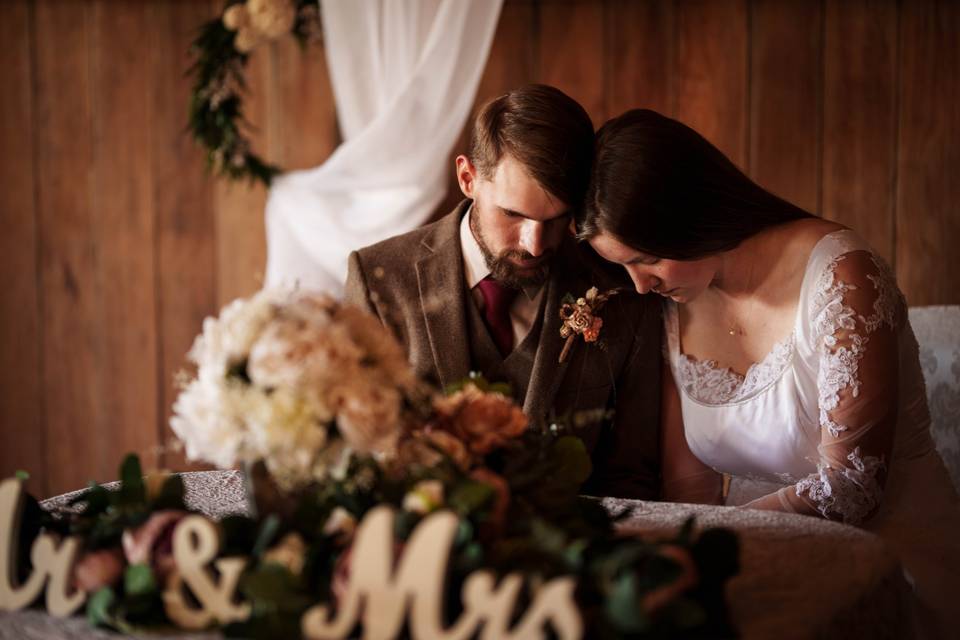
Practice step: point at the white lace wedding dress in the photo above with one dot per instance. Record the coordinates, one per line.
(834, 421)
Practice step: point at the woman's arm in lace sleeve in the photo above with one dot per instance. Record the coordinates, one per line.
(856, 312)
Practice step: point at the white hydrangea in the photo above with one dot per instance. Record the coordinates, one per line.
(277, 372)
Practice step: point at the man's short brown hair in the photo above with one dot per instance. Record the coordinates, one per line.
(545, 130)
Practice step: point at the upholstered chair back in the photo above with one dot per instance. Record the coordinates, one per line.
(938, 332)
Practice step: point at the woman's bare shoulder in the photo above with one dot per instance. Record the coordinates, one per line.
(805, 234)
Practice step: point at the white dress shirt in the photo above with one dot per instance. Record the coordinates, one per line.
(523, 310)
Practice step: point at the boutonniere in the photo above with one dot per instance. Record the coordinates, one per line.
(580, 317)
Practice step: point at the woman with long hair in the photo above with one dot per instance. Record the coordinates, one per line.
(790, 364)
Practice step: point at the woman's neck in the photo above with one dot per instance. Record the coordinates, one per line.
(749, 268)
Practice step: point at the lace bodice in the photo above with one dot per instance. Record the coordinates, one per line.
(709, 383)
(822, 408)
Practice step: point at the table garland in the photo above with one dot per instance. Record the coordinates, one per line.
(221, 51)
(317, 402)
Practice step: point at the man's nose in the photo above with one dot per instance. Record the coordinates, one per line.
(531, 237)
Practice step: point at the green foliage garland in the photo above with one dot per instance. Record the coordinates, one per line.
(216, 119)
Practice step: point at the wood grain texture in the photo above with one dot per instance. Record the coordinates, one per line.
(239, 207)
(183, 198)
(21, 408)
(710, 72)
(786, 40)
(571, 53)
(510, 64)
(638, 44)
(70, 254)
(860, 116)
(302, 117)
(124, 233)
(928, 192)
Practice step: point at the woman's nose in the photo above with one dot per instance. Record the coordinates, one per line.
(642, 280)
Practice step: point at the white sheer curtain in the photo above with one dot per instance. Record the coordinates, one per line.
(404, 76)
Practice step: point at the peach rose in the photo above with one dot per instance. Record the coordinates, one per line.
(96, 569)
(426, 448)
(593, 332)
(152, 542)
(483, 421)
(368, 416)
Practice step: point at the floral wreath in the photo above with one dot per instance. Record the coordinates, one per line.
(221, 50)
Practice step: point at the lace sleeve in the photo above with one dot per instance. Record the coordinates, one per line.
(856, 313)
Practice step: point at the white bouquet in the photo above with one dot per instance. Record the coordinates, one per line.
(298, 381)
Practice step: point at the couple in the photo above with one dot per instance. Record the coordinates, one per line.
(787, 360)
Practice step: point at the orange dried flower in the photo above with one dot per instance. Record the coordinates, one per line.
(482, 421)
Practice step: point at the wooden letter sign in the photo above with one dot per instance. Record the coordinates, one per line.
(51, 559)
(195, 545)
(385, 595)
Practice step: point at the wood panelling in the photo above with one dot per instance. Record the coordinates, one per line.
(571, 52)
(786, 40)
(123, 234)
(511, 63)
(710, 66)
(300, 101)
(117, 243)
(928, 191)
(860, 118)
(21, 404)
(70, 284)
(183, 196)
(241, 244)
(638, 56)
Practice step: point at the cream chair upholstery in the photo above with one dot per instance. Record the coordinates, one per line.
(938, 333)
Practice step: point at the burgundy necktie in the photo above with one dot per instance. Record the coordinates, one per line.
(496, 312)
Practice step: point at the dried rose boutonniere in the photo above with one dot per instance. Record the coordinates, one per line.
(580, 317)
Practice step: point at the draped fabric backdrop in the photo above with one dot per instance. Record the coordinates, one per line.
(404, 76)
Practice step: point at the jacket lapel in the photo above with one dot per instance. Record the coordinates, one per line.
(548, 371)
(440, 280)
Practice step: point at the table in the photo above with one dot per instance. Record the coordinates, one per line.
(800, 577)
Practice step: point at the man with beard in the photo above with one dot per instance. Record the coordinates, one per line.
(481, 290)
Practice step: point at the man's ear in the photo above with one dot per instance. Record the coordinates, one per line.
(466, 176)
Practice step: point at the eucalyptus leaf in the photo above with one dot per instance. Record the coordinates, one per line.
(272, 588)
(469, 496)
(171, 493)
(623, 606)
(268, 531)
(100, 607)
(547, 537)
(96, 500)
(132, 489)
(572, 460)
(138, 580)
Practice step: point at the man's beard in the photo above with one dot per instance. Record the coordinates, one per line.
(502, 270)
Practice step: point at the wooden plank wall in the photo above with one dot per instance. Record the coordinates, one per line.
(116, 244)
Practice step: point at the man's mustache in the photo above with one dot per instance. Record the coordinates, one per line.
(525, 255)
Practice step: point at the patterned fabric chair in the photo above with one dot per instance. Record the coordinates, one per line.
(938, 332)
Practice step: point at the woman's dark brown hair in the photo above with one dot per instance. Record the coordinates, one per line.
(659, 187)
(545, 130)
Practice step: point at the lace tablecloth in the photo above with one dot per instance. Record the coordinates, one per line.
(800, 577)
